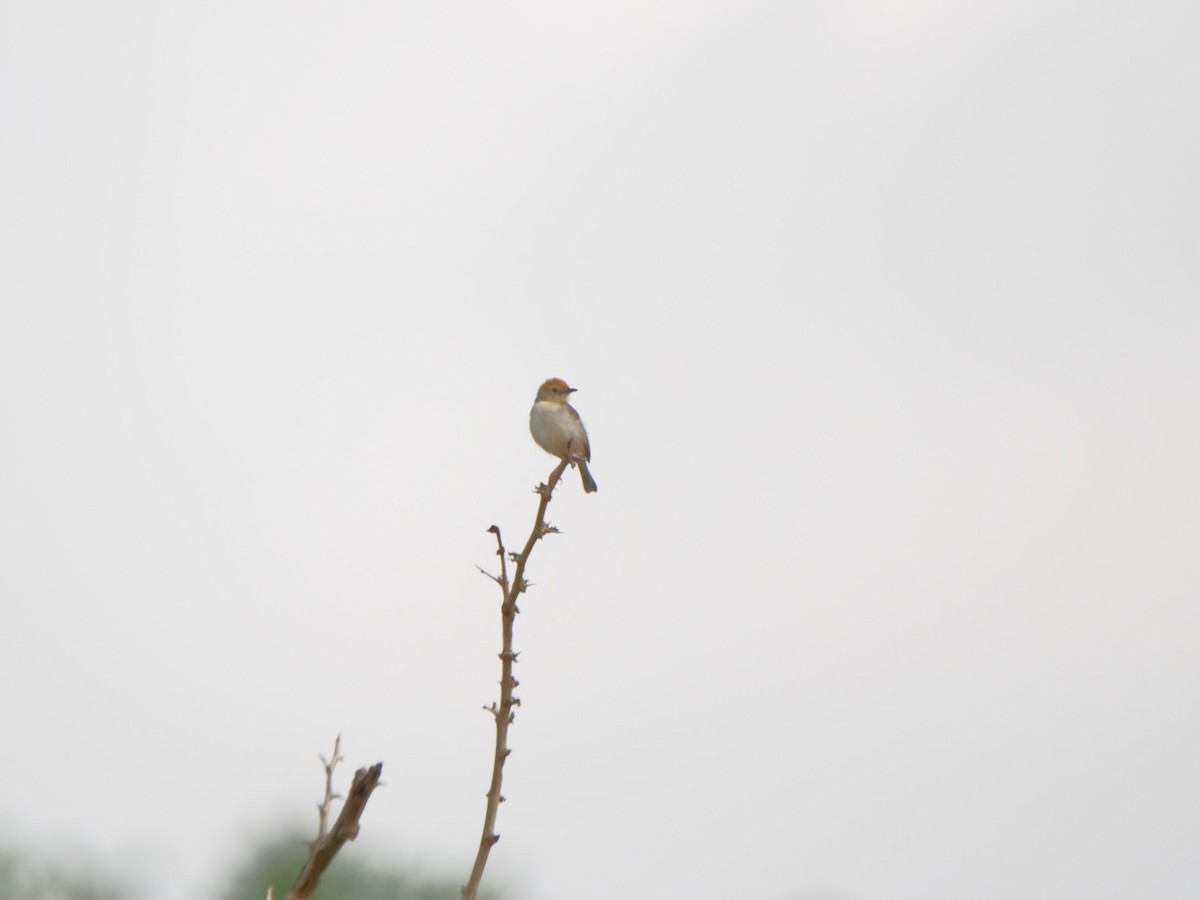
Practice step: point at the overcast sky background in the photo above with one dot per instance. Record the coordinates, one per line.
(885, 323)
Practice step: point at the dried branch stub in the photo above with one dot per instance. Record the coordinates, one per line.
(330, 839)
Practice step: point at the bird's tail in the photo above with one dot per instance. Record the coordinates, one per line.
(589, 483)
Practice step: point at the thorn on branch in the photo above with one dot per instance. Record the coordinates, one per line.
(495, 578)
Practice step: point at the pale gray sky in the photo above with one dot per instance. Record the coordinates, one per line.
(884, 318)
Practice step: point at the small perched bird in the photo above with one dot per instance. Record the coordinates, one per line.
(558, 429)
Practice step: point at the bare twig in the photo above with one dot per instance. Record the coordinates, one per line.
(330, 840)
(330, 796)
(505, 712)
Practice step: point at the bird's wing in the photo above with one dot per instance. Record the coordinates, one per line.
(587, 446)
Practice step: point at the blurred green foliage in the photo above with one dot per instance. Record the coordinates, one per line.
(273, 863)
(277, 862)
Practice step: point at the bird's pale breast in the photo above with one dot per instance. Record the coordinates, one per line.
(555, 427)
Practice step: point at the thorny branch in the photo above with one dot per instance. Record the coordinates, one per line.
(504, 713)
(330, 840)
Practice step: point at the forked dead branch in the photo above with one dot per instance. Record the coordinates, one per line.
(330, 840)
(504, 712)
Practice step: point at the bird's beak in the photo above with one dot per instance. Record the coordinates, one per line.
(572, 390)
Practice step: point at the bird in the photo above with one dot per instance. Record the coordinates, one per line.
(558, 429)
